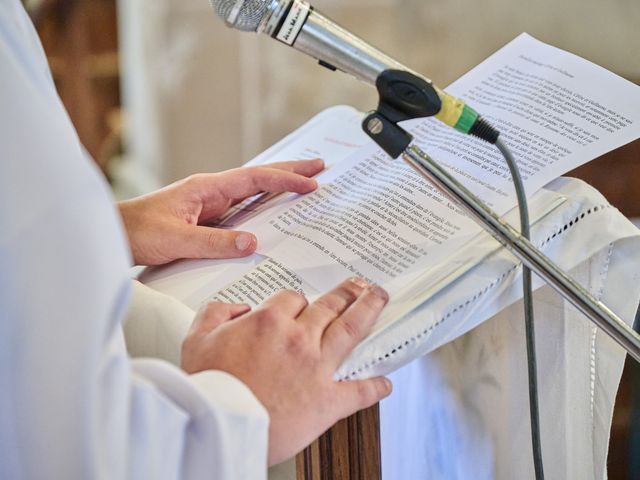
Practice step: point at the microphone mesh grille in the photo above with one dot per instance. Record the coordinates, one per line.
(251, 13)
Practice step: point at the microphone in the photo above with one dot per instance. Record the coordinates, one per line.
(299, 25)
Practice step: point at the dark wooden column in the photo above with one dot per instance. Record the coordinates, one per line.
(80, 40)
(350, 450)
(616, 175)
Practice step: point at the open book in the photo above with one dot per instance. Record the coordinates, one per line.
(375, 217)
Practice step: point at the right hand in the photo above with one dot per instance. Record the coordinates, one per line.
(171, 223)
(286, 351)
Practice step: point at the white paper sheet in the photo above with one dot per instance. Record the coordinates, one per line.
(556, 110)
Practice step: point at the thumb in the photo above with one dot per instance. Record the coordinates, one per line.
(359, 394)
(209, 242)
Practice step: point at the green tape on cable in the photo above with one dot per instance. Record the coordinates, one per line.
(466, 120)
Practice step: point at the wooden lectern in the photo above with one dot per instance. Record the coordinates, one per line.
(350, 450)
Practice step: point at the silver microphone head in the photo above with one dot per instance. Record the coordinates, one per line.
(243, 14)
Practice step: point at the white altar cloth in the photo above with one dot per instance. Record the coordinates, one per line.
(461, 411)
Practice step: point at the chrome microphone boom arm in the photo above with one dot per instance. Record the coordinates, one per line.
(382, 126)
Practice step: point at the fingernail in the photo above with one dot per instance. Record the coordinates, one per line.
(244, 241)
(379, 292)
(387, 384)
(361, 282)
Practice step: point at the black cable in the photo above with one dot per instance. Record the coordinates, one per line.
(528, 312)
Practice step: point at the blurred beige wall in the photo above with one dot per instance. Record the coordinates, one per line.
(202, 97)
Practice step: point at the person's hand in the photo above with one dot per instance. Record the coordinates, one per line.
(166, 225)
(286, 351)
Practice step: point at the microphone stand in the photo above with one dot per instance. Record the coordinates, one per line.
(404, 96)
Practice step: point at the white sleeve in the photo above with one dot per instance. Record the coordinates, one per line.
(156, 324)
(218, 428)
(154, 327)
(73, 405)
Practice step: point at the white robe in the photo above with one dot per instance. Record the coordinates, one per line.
(72, 403)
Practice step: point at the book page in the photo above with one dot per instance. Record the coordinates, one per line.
(332, 135)
(259, 283)
(373, 218)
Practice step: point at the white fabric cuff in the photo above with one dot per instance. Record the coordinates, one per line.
(156, 324)
(240, 416)
(227, 433)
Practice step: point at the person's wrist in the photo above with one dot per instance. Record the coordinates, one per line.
(126, 209)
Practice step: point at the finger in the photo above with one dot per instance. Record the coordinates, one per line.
(214, 313)
(284, 304)
(346, 331)
(241, 183)
(230, 187)
(358, 394)
(308, 168)
(332, 304)
(207, 242)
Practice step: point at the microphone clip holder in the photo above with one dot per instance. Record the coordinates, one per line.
(404, 96)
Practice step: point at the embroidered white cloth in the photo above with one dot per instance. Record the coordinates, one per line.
(462, 411)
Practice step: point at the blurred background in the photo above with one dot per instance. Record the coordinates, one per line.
(160, 89)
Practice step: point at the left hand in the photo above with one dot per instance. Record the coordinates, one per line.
(166, 225)
(287, 351)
